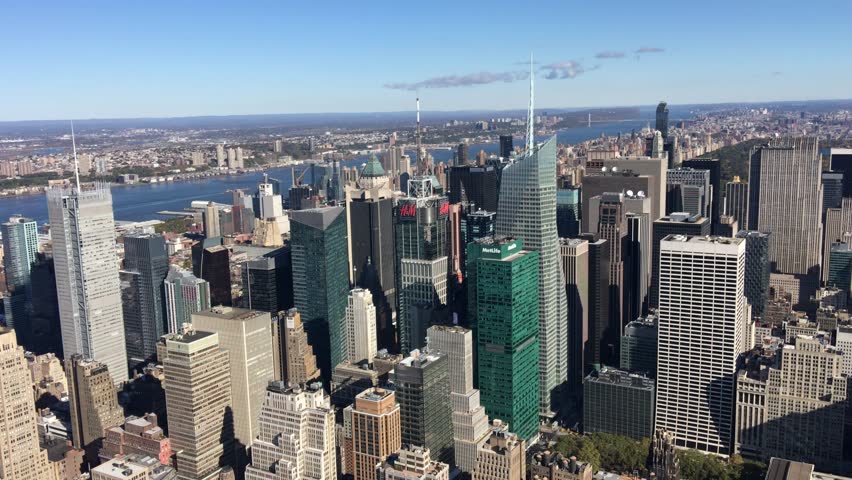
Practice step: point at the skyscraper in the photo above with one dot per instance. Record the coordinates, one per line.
(779, 169)
(361, 326)
(574, 253)
(198, 399)
(470, 422)
(502, 456)
(756, 271)
(212, 227)
(568, 211)
(598, 321)
(692, 191)
(297, 362)
(612, 227)
(185, 294)
(422, 259)
(268, 281)
(533, 219)
(832, 189)
(371, 239)
(840, 274)
(474, 183)
(662, 123)
(20, 250)
(214, 267)
(679, 223)
(21, 457)
(296, 438)
(506, 148)
(837, 222)
(639, 346)
(87, 284)
(246, 335)
(220, 155)
(713, 166)
(375, 430)
(321, 280)
(145, 254)
(422, 382)
(736, 202)
(619, 402)
(701, 335)
(508, 332)
(93, 402)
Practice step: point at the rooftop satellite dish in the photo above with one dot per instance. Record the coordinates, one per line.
(641, 194)
(614, 169)
(603, 169)
(630, 193)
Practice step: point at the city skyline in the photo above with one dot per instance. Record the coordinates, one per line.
(191, 67)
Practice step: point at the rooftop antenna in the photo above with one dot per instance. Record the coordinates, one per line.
(530, 118)
(76, 163)
(420, 160)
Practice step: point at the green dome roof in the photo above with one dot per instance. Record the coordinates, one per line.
(373, 168)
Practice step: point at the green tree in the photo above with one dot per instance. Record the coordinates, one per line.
(695, 465)
(621, 454)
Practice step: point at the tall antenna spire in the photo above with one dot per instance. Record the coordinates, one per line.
(76, 163)
(530, 113)
(421, 158)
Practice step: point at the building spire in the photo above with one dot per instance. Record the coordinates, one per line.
(530, 113)
(76, 163)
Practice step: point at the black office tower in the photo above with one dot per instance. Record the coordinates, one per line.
(506, 146)
(268, 281)
(715, 169)
(474, 184)
(662, 123)
(215, 267)
(598, 301)
(841, 161)
(635, 285)
(567, 210)
(757, 271)
(462, 154)
(145, 254)
(674, 224)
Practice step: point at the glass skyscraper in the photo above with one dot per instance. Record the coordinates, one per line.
(508, 331)
(145, 254)
(321, 280)
(20, 248)
(527, 210)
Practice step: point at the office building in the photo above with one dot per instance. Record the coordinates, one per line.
(138, 436)
(533, 219)
(198, 399)
(756, 271)
(21, 457)
(321, 280)
(474, 184)
(220, 155)
(133, 467)
(145, 255)
(714, 167)
(185, 294)
(574, 253)
(612, 227)
(470, 422)
(87, 284)
(246, 336)
(837, 225)
(794, 246)
(268, 206)
(636, 256)
(506, 148)
(422, 383)
(371, 240)
(268, 281)
(478, 224)
(502, 456)
(596, 345)
(691, 191)
(840, 160)
(700, 338)
(412, 463)
(736, 202)
(212, 225)
(20, 252)
(662, 123)
(375, 424)
(421, 228)
(568, 211)
(302, 197)
(508, 331)
(645, 176)
(296, 438)
(214, 267)
(832, 190)
(639, 346)
(840, 272)
(619, 402)
(93, 401)
(679, 223)
(295, 362)
(361, 326)
(349, 379)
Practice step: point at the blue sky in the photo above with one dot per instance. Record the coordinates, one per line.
(105, 59)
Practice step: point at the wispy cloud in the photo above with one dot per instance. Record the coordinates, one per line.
(610, 54)
(450, 81)
(777, 74)
(642, 50)
(566, 69)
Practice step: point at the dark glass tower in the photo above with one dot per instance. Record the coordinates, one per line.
(474, 184)
(507, 332)
(145, 254)
(757, 270)
(506, 146)
(596, 346)
(214, 265)
(268, 281)
(20, 247)
(662, 123)
(321, 280)
(568, 211)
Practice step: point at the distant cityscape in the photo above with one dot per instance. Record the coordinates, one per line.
(509, 297)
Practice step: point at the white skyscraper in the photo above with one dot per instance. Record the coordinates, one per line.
(185, 295)
(470, 422)
(87, 283)
(703, 328)
(296, 440)
(361, 326)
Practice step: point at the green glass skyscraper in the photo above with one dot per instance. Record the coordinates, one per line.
(321, 280)
(507, 325)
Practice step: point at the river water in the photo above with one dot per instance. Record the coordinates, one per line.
(142, 201)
